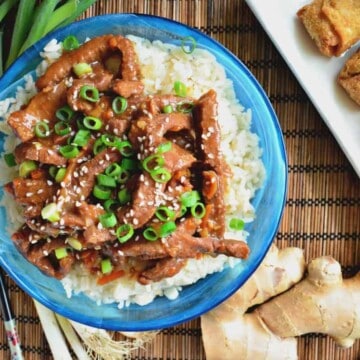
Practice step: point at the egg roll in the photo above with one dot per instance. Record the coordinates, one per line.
(349, 77)
(334, 25)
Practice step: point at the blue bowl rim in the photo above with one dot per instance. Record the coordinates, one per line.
(12, 74)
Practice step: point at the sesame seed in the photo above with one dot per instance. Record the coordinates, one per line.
(45, 252)
(135, 221)
(28, 194)
(49, 182)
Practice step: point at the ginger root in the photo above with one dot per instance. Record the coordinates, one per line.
(321, 303)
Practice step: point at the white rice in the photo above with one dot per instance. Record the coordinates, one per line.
(161, 66)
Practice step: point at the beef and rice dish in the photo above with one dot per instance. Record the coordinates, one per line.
(116, 180)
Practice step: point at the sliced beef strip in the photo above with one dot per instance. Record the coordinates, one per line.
(164, 268)
(127, 88)
(154, 104)
(208, 148)
(37, 151)
(42, 106)
(92, 51)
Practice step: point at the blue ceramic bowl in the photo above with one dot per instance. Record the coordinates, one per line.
(269, 201)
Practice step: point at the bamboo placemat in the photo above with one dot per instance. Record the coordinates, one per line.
(322, 213)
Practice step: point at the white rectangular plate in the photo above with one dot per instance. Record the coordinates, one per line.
(316, 73)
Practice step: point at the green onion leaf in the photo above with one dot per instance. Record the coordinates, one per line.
(236, 224)
(106, 266)
(26, 167)
(124, 232)
(41, 129)
(167, 228)
(108, 220)
(180, 88)
(89, 93)
(50, 212)
(81, 69)
(150, 234)
(119, 105)
(189, 198)
(10, 159)
(106, 180)
(70, 43)
(69, 151)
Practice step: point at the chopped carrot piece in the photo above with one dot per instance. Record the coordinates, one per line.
(105, 279)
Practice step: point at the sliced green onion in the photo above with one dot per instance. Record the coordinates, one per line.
(236, 224)
(188, 49)
(61, 253)
(167, 228)
(198, 210)
(106, 266)
(81, 69)
(183, 210)
(69, 151)
(190, 198)
(101, 192)
(164, 147)
(99, 146)
(123, 177)
(92, 123)
(53, 170)
(163, 213)
(89, 93)
(124, 232)
(185, 107)
(70, 43)
(65, 113)
(129, 164)
(153, 162)
(113, 170)
(106, 180)
(50, 212)
(160, 175)
(108, 204)
(62, 128)
(26, 167)
(124, 196)
(125, 148)
(81, 138)
(60, 174)
(150, 234)
(10, 159)
(167, 109)
(180, 88)
(42, 129)
(74, 243)
(119, 105)
(110, 140)
(108, 220)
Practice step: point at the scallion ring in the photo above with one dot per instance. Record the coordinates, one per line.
(92, 123)
(106, 266)
(125, 148)
(129, 164)
(110, 140)
(42, 129)
(69, 151)
(167, 228)
(9, 159)
(62, 128)
(119, 105)
(89, 93)
(124, 196)
(236, 224)
(81, 138)
(60, 175)
(70, 43)
(99, 146)
(189, 198)
(101, 192)
(123, 177)
(113, 170)
(163, 213)
(108, 220)
(50, 212)
(164, 147)
(124, 232)
(198, 210)
(150, 234)
(180, 88)
(161, 175)
(81, 69)
(26, 167)
(185, 107)
(153, 162)
(65, 113)
(167, 109)
(188, 49)
(61, 253)
(106, 180)
(108, 204)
